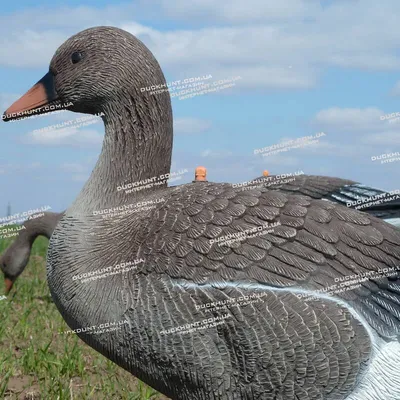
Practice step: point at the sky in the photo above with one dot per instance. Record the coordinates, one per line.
(305, 67)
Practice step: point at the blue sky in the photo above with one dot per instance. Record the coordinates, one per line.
(306, 66)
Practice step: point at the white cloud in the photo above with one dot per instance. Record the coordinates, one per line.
(384, 139)
(65, 137)
(261, 56)
(216, 153)
(73, 167)
(279, 160)
(238, 11)
(77, 172)
(352, 133)
(355, 120)
(65, 116)
(29, 38)
(12, 168)
(356, 131)
(307, 45)
(300, 34)
(191, 125)
(28, 48)
(396, 89)
(350, 119)
(35, 165)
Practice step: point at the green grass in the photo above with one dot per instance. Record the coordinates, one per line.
(37, 363)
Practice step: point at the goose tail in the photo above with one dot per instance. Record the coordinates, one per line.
(389, 212)
(379, 203)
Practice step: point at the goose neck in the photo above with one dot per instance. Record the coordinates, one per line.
(137, 146)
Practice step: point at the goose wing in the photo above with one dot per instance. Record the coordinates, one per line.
(261, 345)
(215, 234)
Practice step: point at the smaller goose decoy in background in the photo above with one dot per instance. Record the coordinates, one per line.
(15, 258)
(343, 191)
(340, 348)
(352, 194)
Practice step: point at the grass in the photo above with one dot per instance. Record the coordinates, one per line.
(37, 363)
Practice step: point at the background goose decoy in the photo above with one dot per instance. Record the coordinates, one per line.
(283, 347)
(352, 194)
(14, 260)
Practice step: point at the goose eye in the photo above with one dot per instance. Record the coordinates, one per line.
(76, 57)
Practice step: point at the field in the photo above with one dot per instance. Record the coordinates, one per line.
(37, 363)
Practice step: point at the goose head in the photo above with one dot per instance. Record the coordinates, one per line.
(92, 70)
(15, 258)
(104, 71)
(13, 261)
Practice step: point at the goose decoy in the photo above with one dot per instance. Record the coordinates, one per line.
(15, 258)
(186, 329)
(377, 202)
(384, 205)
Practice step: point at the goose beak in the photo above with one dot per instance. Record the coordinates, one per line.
(34, 100)
(9, 284)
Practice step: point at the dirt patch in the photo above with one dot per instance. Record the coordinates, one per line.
(32, 393)
(21, 388)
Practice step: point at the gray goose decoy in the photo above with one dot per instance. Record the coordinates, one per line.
(15, 258)
(352, 194)
(381, 204)
(282, 347)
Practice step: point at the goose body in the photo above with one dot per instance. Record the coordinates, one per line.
(14, 260)
(182, 269)
(285, 346)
